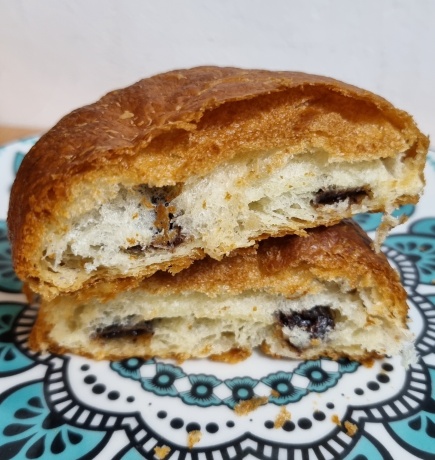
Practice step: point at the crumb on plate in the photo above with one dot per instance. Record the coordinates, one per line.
(161, 452)
(283, 416)
(193, 438)
(351, 428)
(245, 407)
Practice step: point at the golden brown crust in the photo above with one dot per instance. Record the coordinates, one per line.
(169, 127)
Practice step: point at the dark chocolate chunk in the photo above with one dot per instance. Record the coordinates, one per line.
(317, 321)
(333, 195)
(117, 331)
(167, 233)
(163, 195)
(136, 249)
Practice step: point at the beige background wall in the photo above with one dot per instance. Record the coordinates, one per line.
(57, 55)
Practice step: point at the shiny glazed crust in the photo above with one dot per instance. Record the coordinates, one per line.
(167, 128)
(283, 266)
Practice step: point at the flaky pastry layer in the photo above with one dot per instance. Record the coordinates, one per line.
(326, 294)
(191, 149)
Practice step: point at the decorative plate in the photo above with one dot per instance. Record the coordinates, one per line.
(69, 407)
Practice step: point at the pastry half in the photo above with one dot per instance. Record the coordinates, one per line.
(202, 162)
(327, 294)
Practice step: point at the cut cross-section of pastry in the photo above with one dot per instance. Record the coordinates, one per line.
(202, 162)
(326, 294)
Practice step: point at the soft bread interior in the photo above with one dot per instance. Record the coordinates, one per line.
(132, 228)
(326, 294)
(330, 321)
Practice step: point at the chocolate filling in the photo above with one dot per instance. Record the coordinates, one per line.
(167, 233)
(333, 195)
(317, 321)
(136, 249)
(118, 331)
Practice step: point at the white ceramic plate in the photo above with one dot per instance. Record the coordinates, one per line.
(70, 407)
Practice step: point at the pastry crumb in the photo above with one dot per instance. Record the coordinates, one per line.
(336, 419)
(368, 363)
(245, 407)
(387, 223)
(193, 438)
(283, 416)
(233, 356)
(161, 452)
(351, 428)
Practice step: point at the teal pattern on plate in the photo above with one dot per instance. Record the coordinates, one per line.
(12, 359)
(417, 432)
(8, 280)
(33, 431)
(202, 387)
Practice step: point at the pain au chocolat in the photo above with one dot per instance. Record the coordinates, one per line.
(326, 294)
(201, 162)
